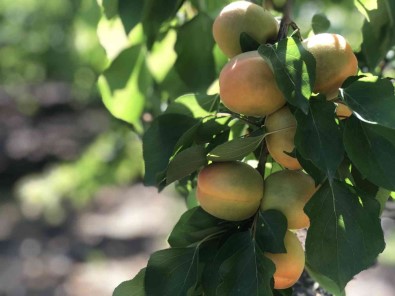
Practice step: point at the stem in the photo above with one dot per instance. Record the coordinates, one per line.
(262, 159)
(286, 21)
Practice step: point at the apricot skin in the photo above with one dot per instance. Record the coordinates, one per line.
(229, 190)
(343, 111)
(290, 265)
(247, 86)
(335, 61)
(243, 16)
(288, 192)
(283, 125)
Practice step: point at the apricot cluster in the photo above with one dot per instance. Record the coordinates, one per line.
(235, 191)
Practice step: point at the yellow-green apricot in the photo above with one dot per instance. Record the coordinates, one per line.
(335, 61)
(243, 16)
(288, 192)
(229, 190)
(281, 126)
(248, 86)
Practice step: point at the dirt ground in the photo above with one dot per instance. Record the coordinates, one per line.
(109, 242)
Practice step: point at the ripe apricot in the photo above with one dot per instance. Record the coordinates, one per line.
(335, 61)
(343, 111)
(247, 86)
(243, 16)
(229, 190)
(288, 192)
(290, 265)
(282, 128)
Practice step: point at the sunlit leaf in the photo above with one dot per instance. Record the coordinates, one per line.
(125, 85)
(294, 70)
(194, 105)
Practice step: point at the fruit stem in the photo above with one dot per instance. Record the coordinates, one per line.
(287, 22)
(262, 159)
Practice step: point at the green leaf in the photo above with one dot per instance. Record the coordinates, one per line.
(283, 292)
(345, 235)
(372, 99)
(371, 148)
(318, 137)
(130, 13)
(293, 68)
(211, 127)
(195, 61)
(134, 287)
(320, 23)
(235, 149)
(155, 13)
(110, 8)
(159, 142)
(247, 271)
(270, 231)
(325, 282)
(196, 225)
(172, 272)
(125, 85)
(185, 163)
(311, 169)
(362, 183)
(247, 43)
(194, 105)
(187, 139)
(211, 277)
(378, 33)
(382, 197)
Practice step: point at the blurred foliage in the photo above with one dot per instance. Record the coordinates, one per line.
(49, 40)
(115, 157)
(56, 41)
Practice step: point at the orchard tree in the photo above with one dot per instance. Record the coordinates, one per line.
(268, 127)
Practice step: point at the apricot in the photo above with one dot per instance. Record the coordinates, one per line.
(335, 61)
(247, 86)
(290, 265)
(229, 190)
(288, 192)
(282, 128)
(243, 16)
(343, 111)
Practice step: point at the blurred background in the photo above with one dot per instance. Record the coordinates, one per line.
(72, 210)
(75, 218)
